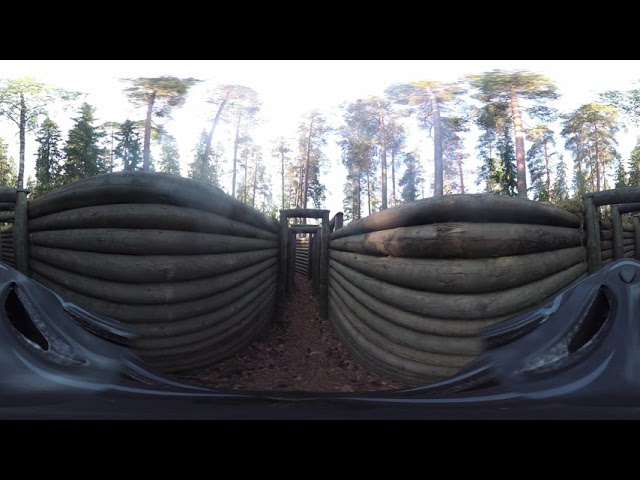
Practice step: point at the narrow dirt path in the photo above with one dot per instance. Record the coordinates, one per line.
(300, 352)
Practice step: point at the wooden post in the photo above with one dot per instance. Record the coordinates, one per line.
(315, 276)
(20, 233)
(618, 239)
(339, 220)
(291, 260)
(636, 234)
(310, 256)
(282, 270)
(324, 266)
(592, 227)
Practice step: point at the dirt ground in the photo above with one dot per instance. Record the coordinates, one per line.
(299, 352)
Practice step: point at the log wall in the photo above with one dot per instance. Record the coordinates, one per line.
(411, 287)
(190, 269)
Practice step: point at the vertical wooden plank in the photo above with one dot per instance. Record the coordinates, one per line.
(315, 276)
(20, 233)
(636, 235)
(282, 270)
(618, 239)
(594, 258)
(291, 260)
(324, 266)
(310, 257)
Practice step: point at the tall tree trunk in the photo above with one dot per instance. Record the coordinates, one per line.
(393, 177)
(383, 163)
(459, 157)
(207, 148)
(306, 169)
(235, 157)
(369, 193)
(146, 152)
(597, 164)
(519, 133)
(23, 128)
(282, 172)
(255, 179)
(546, 162)
(438, 180)
(246, 164)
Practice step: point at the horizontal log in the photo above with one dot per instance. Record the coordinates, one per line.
(461, 305)
(167, 334)
(606, 245)
(607, 261)
(461, 240)
(214, 336)
(483, 208)
(8, 195)
(305, 228)
(626, 227)
(607, 254)
(386, 363)
(304, 212)
(148, 293)
(629, 248)
(7, 217)
(437, 364)
(628, 241)
(158, 313)
(460, 348)
(148, 268)
(629, 207)
(7, 206)
(146, 242)
(256, 327)
(606, 235)
(630, 254)
(148, 187)
(462, 275)
(146, 216)
(443, 327)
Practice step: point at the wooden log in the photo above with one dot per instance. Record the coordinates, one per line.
(461, 347)
(463, 305)
(8, 195)
(629, 248)
(606, 245)
(324, 266)
(461, 240)
(626, 227)
(209, 338)
(482, 208)
(148, 293)
(616, 195)
(462, 275)
(146, 242)
(400, 350)
(148, 187)
(618, 247)
(630, 254)
(282, 265)
(20, 232)
(607, 254)
(304, 213)
(606, 235)
(591, 222)
(636, 240)
(339, 220)
(291, 257)
(304, 228)
(426, 373)
(163, 334)
(147, 216)
(629, 207)
(607, 261)
(254, 328)
(7, 217)
(315, 275)
(157, 313)
(7, 206)
(148, 268)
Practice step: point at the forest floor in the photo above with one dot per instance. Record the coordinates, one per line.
(298, 352)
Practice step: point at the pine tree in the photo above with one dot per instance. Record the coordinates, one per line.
(127, 149)
(560, 189)
(207, 171)
(412, 178)
(8, 174)
(84, 156)
(169, 156)
(48, 158)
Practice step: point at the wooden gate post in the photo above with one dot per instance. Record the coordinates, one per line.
(20, 232)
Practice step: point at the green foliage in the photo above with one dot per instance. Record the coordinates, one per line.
(621, 175)
(48, 158)
(573, 205)
(207, 171)
(634, 166)
(84, 156)
(539, 160)
(312, 138)
(453, 153)
(412, 178)
(8, 173)
(127, 149)
(560, 189)
(498, 169)
(169, 156)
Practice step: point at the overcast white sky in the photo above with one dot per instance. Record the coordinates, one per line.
(291, 88)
